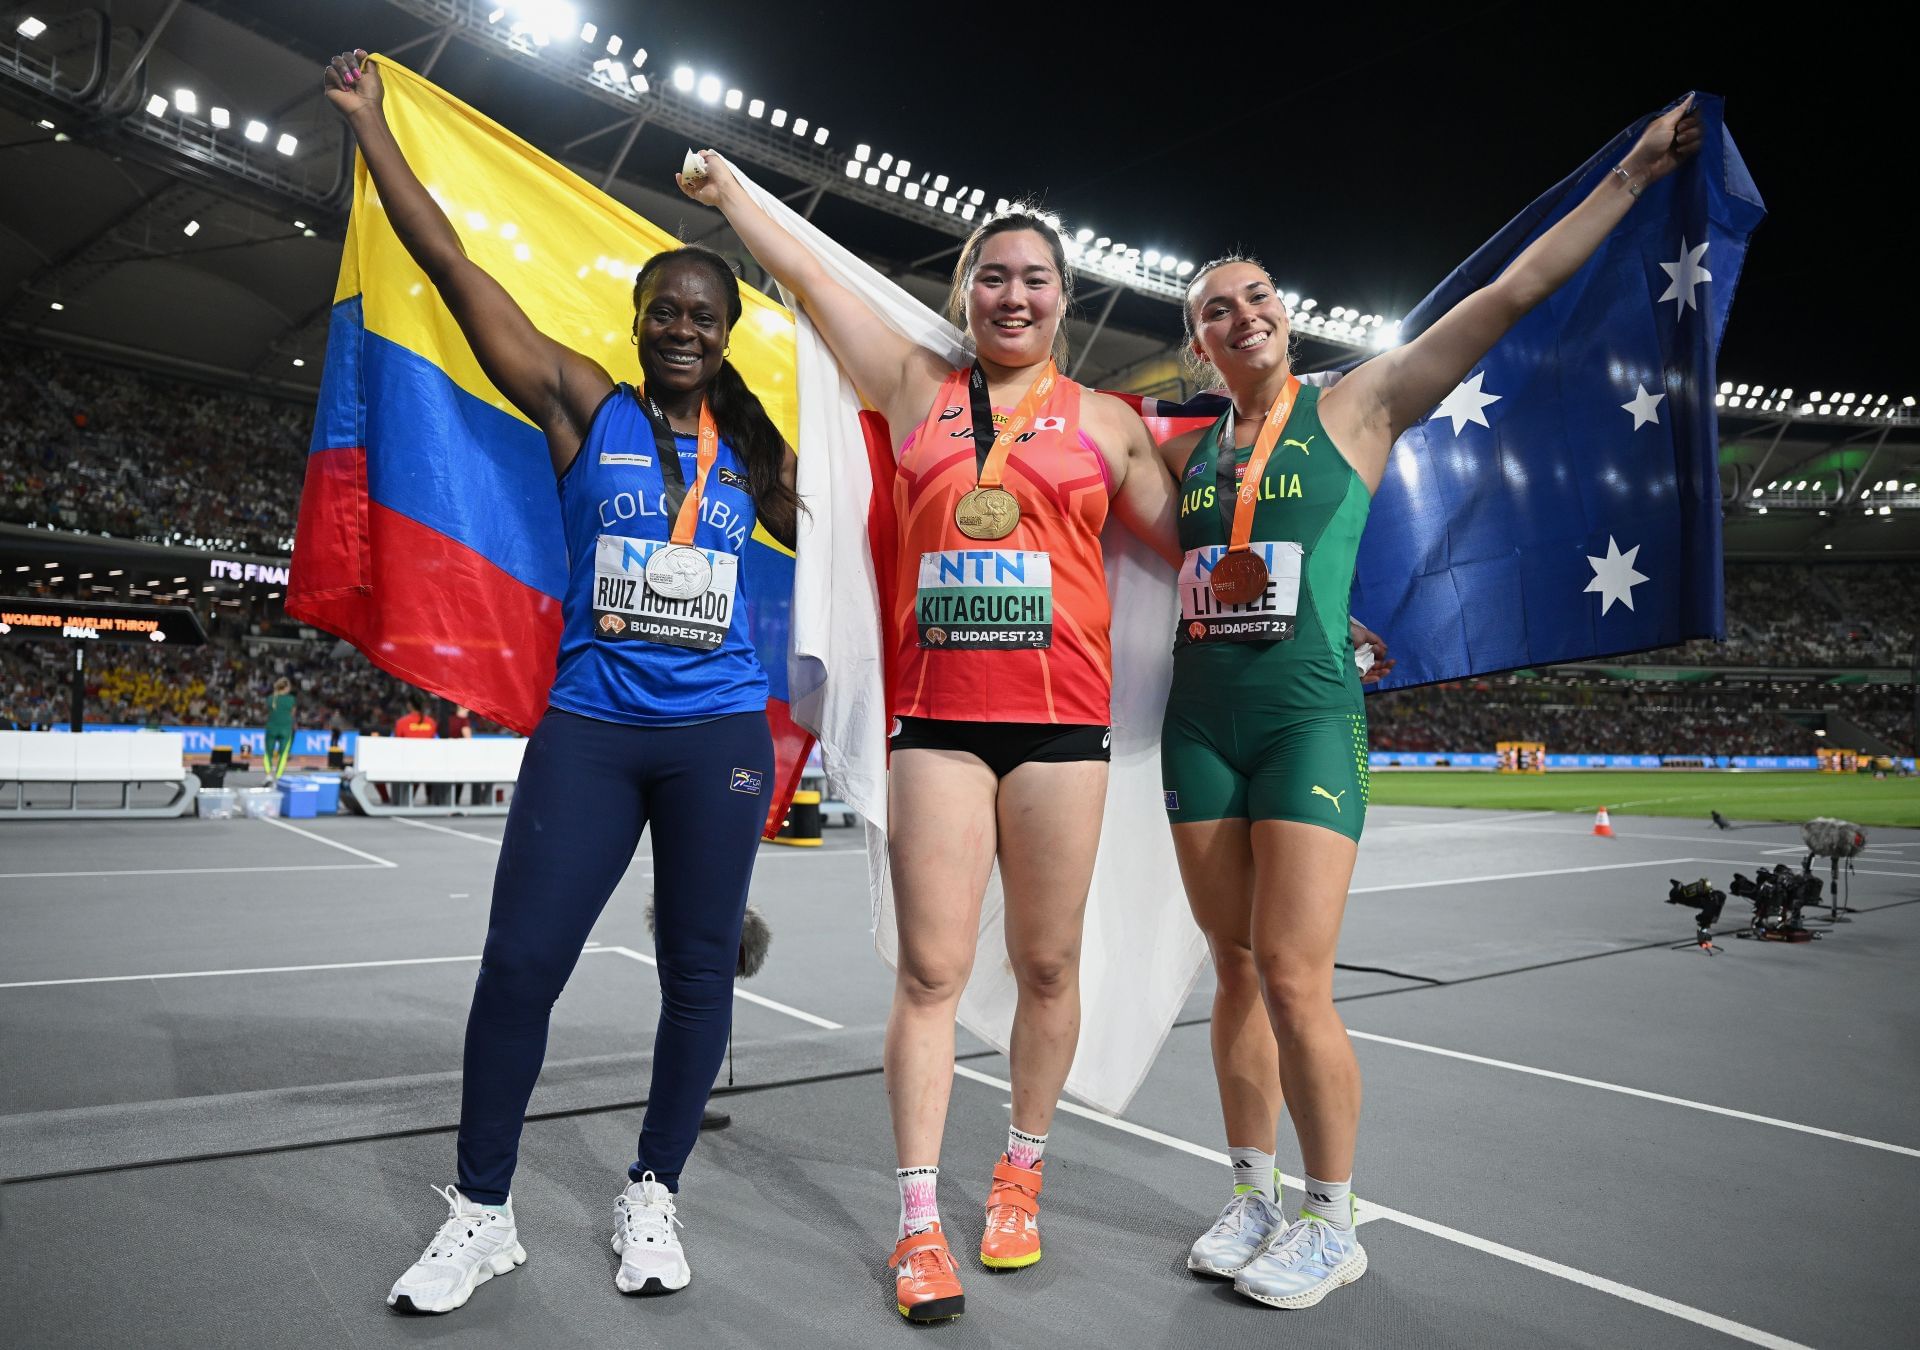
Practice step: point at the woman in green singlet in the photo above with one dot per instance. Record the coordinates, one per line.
(279, 728)
(1264, 748)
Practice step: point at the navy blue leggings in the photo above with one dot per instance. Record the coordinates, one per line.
(586, 789)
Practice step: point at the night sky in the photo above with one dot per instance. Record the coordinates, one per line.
(1360, 154)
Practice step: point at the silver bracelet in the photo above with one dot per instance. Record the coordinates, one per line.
(1633, 188)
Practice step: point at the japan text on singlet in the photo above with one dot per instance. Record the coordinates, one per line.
(1288, 649)
(626, 653)
(1003, 630)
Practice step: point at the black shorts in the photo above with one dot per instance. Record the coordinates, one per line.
(1005, 746)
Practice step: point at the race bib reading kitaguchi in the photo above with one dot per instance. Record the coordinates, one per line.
(625, 609)
(985, 599)
(1270, 618)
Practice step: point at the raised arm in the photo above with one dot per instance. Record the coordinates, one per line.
(894, 375)
(1386, 395)
(556, 387)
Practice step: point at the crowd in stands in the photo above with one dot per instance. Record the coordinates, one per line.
(1782, 614)
(89, 447)
(220, 684)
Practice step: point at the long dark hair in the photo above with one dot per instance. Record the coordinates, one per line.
(737, 412)
(1018, 217)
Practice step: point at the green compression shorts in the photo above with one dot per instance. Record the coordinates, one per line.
(1219, 763)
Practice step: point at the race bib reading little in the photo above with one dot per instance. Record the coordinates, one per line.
(624, 608)
(985, 599)
(1270, 618)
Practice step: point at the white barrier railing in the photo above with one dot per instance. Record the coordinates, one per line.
(125, 758)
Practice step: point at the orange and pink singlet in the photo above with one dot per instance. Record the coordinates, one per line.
(1012, 629)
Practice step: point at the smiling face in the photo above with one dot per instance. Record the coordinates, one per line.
(1239, 321)
(1014, 298)
(681, 321)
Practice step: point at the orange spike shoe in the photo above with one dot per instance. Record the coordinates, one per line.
(1012, 1239)
(925, 1280)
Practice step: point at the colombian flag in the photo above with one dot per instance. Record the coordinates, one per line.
(430, 533)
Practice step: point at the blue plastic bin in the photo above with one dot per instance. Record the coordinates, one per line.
(329, 785)
(298, 800)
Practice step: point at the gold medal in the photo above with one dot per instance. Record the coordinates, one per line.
(987, 513)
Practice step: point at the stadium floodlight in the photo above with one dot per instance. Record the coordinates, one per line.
(192, 228)
(903, 168)
(979, 197)
(639, 83)
(853, 168)
(31, 27)
(799, 126)
(873, 177)
(186, 101)
(256, 131)
(949, 205)
(588, 32)
(885, 161)
(1907, 402)
(287, 143)
(1882, 399)
(497, 15)
(156, 106)
(1185, 268)
(863, 153)
(617, 71)
(639, 57)
(893, 182)
(1083, 234)
(683, 79)
(708, 89)
(1726, 386)
(1800, 486)
(1762, 510)
(1756, 492)
(1153, 256)
(299, 361)
(613, 44)
(757, 108)
(940, 182)
(966, 212)
(1886, 510)
(779, 118)
(600, 64)
(1742, 390)
(221, 117)
(913, 192)
(734, 100)
(44, 124)
(819, 135)
(56, 306)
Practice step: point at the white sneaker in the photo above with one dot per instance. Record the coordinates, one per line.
(472, 1246)
(1237, 1236)
(1302, 1264)
(651, 1258)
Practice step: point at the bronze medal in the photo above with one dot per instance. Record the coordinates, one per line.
(987, 513)
(1239, 578)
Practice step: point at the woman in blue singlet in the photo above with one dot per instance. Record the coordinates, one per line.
(657, 714)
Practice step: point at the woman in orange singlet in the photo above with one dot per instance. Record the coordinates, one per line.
(1002, 682)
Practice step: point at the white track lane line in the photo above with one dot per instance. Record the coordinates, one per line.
(443, 829)
(1686, 1313)
(202, 871)
(331, 843)
(591, 948)
(1517, 876)
(738, 992)
(1636, 1092)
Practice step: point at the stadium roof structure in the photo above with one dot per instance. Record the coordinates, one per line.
(177, 190)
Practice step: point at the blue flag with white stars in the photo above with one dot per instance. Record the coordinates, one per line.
(1563, 502)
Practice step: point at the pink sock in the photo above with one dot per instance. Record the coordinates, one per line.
(1023, 1149)
(919, 1203)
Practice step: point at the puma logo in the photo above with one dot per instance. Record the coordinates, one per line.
(1319, 791)
(1302, 444)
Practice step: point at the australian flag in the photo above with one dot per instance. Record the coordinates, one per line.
(1563, 501)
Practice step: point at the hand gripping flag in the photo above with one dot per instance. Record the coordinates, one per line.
(1563, 501)
(430, 534)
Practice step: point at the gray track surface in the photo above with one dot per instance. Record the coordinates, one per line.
(243, 1159)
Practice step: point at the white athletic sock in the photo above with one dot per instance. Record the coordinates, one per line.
(1253, 1171)
(1330, 1200)
(1023, 1149)
(919, 1199)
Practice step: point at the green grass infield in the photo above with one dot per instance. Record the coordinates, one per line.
(1860, 798)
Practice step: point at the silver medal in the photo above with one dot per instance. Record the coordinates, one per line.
(677, 572)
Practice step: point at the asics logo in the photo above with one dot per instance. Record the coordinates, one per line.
(1106, 740)
(1319, 791)
(1302, 444)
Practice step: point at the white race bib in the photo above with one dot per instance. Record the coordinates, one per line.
(624, 609)
(985, 599)
(1270, 618)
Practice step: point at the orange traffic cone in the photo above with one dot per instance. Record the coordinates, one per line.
(1601, 825)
